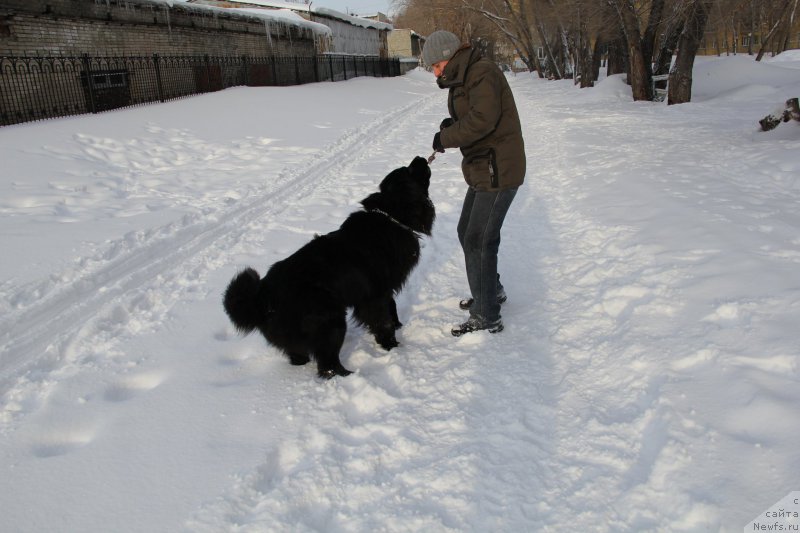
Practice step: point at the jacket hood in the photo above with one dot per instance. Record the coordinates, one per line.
(457, 67)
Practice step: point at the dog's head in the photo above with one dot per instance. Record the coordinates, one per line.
(417, 175)
(404, 195)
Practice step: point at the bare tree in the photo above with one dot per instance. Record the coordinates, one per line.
(512, 20)
(617, 56)
(639, 68)
(653, 22)
(680, 79)
(640, 37)
(427, 16)
(590, 28)
(670, 31)
(786, 15)
(549, 31)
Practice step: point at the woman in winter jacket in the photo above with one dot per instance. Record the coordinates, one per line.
(485, 125)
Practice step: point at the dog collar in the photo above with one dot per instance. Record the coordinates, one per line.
(390, 217)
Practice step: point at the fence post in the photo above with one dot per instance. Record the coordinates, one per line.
(297, 71)
(344, 67)
(330, 61)
(316, 68)
(208, 73)
(87, 67)
(245, 72)
(159, 87)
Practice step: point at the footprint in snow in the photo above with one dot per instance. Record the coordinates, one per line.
(56, 443)
(131, 386)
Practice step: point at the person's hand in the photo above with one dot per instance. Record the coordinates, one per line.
(446, 123)
(437, 143)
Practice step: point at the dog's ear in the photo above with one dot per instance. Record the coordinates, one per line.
(393, 180)
(373, 201)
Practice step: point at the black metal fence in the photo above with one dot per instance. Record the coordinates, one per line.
(35, 88)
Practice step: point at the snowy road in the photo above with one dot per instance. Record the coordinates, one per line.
(649, 354)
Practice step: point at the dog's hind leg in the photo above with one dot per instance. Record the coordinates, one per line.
(380, 317)
(298, 359)
(327, 345)
(395, 318)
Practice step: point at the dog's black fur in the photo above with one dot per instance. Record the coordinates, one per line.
(301, 304)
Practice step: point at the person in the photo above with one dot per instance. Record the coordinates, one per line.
(485, 125)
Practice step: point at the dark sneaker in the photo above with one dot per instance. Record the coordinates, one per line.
(467, 304)
(476, 324)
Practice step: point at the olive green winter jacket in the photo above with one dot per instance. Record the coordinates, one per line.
(486, 127)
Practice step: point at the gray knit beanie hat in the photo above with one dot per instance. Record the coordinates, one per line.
(440, 46)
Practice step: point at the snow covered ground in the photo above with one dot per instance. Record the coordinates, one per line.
(648, 377)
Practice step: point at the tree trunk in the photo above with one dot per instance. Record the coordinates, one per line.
(524, 31)
(680, 79)
(638, 66)
(552, 66)
(653, 22)
(587, 69)
(584, 55)
(567, 65)
(597, 58)
(752, 27)
(616, 57)
(669, 43)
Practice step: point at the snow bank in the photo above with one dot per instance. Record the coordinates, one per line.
(742, 77)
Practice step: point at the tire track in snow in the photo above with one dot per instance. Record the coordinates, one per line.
(36, 338)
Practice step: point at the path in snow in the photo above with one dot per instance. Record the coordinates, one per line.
(645, 302)
(404, 441)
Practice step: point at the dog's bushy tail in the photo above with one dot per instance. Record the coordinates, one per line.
(241, 302)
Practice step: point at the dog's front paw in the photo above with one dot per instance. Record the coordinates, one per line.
(388, 344)
(329, 373)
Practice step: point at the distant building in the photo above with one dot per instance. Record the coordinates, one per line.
(146, 27)
(402, 43)
(742, 37)
(349, 34)
(405, 43)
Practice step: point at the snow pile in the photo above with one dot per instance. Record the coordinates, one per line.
(355, 21)
(311, 8)
(787, 59)
(278, 15)
(609, 89)
(285, 16)
(739, 77)
(647, 378)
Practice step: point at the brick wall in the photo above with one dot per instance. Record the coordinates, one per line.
(141, 27)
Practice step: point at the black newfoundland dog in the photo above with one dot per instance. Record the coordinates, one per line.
(301, 304)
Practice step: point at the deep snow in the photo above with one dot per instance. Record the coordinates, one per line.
(647, 378)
